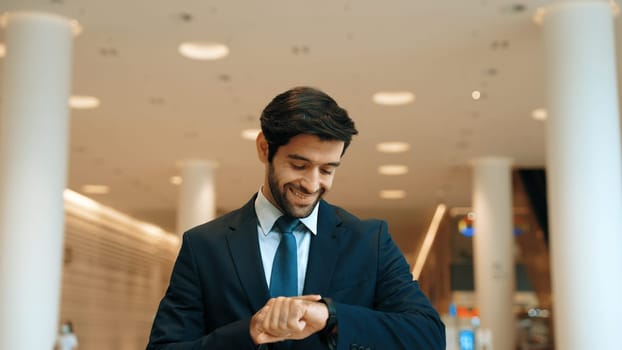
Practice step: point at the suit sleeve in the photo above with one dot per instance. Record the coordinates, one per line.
(402, 316)
(180, 324)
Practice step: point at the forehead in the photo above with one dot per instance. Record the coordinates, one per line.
(311, 147)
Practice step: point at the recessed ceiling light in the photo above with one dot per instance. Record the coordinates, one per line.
(197, 50)
(392, 194)
(176, 180)
(393, 169)
(250, 134)
(83, 102)
(393, 98)
(539, 114)
(476, 95)
(96, 189)
(2, 50)
(392, 147)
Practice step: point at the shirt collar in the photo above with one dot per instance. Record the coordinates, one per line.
(267, 214)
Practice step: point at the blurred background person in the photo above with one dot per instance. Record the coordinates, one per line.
(67, 339)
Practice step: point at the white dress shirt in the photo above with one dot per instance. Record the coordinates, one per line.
(269, 240)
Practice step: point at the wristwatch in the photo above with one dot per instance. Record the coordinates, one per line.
(328, 335)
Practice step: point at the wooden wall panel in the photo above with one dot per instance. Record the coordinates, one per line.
(115, 273)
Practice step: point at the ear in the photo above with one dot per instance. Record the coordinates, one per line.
(262, 147)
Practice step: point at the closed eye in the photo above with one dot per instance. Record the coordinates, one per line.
(298, 166)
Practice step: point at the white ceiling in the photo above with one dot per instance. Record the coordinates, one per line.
(158, 108)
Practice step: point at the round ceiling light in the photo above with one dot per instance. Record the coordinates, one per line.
(392, 194)
(393, 169)
(250, 134)
(176, 180)
(83, 102)
(539, 114)
(198, 50)
(393, 98)
(392, 147)
(96, 189)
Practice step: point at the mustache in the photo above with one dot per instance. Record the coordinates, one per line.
(304, 191)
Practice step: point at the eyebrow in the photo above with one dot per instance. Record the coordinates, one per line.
(299, 157)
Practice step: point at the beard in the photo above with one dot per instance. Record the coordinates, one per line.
(280, 197)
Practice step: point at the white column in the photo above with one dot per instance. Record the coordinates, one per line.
(33, 167)
(197, 198)
(584, 175)
(493, 244)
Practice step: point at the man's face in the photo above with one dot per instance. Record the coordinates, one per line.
(301, 172)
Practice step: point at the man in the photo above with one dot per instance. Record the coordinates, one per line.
(347, 287)
(67, 339)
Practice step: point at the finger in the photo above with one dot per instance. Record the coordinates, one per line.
(264, 338)
(272, 320)
(284, 315)
(267, 322)
(257, 327)
(310, 297)
(297, 310)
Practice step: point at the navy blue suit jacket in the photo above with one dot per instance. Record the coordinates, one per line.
(218, 283)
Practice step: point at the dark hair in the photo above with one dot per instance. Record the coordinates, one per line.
(305, 110)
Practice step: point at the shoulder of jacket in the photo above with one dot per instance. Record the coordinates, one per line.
(219, 225)
(353, 220)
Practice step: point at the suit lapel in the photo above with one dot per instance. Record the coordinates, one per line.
(244, 248)
(323, 252)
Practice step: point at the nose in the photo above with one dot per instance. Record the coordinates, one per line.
(311, 181)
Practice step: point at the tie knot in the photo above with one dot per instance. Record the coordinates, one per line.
(286, 224)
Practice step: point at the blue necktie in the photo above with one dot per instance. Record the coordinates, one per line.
(284, 278)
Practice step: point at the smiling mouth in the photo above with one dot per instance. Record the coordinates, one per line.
(302, 195)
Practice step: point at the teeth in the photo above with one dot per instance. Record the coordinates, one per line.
(299, 194)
